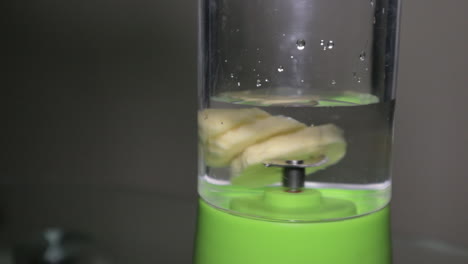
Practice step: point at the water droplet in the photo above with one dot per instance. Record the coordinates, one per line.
(292, 57)
(232, 75)
(238, 83)
(280, 69)
(322, 42)
(331, 44)
(333, 82)
(300, 44)
(362, 56)
(266, 80)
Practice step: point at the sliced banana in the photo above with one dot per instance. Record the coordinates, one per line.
(213, 122)
(248, 169)
(220, 150)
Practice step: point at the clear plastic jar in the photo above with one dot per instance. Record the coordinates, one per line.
(304, 86)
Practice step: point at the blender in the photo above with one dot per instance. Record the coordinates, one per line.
(295, 121)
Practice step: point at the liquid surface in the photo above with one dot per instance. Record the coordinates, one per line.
(357, 139)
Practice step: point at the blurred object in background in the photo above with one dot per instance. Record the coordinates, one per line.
(57, 246)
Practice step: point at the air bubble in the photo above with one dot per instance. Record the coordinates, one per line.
(280, 69)
(259, 83)
(326, 46)
(362, 56)
(238, 83)
(300, 44)
(232, 75)
(333, 82)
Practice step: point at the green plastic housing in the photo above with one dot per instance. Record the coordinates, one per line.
(224, 238)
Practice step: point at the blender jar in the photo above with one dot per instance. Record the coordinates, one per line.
(296, 102)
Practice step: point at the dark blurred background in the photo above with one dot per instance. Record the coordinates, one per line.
(99, 106)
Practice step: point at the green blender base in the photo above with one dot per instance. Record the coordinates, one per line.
(224, 238)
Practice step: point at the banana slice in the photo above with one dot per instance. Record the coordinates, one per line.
(309, 143)
(219, 151)
(213, 122)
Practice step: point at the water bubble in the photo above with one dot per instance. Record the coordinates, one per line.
(354, 75)
(266, 80)
(362, 56)
(280, 69)
(259, 83)
(359, 79)
(383, 10)
(253, 69)
(302, 81)
(232, 75)
(284, 35)
(300, 44)
(322, 42)
(374, 20)
(237, 30)
(238, 83)
(225, 60)
(367, 69)
(372, 2)
(331, 44)
(333, 82)
(258, 48)
(259, 61)
(292, 57)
